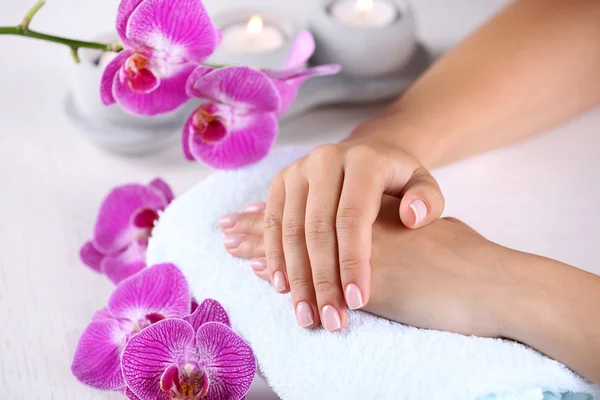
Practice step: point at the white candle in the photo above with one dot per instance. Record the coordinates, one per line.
(365, 13)
(253, 37)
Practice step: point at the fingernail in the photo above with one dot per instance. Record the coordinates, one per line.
(419, 209)
(255, 207)
(304, 314)
(331, 318)
(354, 299)
(258, 264)
(232, 241)
(228, 220)
(279, 282)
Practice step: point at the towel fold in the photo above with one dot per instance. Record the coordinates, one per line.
(372, 359)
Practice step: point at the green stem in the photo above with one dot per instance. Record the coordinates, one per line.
(74, 45)
(32, 11)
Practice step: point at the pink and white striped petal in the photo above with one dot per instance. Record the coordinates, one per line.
(227, 360)
(209, 311)
(161, 289)
(96, 362)
(151, 352)
(176, 29)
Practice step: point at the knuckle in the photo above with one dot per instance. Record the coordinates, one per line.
(349, 264)
(325, 153)
(361, 153)
(293, 231)
(348, 218)
(323, 283)
(319, 227)
(273, 255)
(272, 222)
(298, 283)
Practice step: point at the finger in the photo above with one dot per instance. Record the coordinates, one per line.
(325, 185)
(359, 206)
(297, 263)
(273, 234)
(259, 266)
(243, 223)
(422, 202)
(244, 246)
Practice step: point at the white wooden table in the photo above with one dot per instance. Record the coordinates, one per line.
(541, 196)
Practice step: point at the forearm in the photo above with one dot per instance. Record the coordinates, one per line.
(554, 308)
(533, 66)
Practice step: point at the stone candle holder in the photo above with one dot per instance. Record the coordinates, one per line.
(364, 52)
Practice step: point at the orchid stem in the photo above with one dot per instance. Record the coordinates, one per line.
(74, 45)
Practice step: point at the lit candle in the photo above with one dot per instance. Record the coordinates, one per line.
(253, 37)
(365, 13)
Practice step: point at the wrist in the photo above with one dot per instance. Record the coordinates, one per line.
(393, 128)
(553, 308)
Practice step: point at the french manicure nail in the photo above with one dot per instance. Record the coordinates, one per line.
(279, 282)
(330, 318)
(304, 314)
(255, 207)
(419, 209)
(232, 241)
(258, 264)
(354, 298)
(228, 220)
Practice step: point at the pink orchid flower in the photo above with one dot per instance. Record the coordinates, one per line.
(156, 293)
(199, 357)
(289, 80)
(164, 41)
(123, 227)
(238, 124)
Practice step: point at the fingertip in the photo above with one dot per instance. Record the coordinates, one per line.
(415, 213)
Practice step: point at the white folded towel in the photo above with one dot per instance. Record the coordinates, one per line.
(373, 358)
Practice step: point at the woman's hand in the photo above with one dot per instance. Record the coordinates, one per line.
(448, 277)
(439, 277)
(318, 222)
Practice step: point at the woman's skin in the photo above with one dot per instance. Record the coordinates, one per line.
(446, 276)
(536, 64)
(533, 66)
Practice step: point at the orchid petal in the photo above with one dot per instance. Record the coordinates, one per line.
(196, 74)
(302, 50)
(163, 189)
(113, 232)
(109, 75)
(227, 360)
(237, 86)
(320, 70)
(160, 289)
(126, 8)
(170, 378)
(130, 395)
(96, 359)
(168, 96)
(288, 82)
(90, 256)
(177, 28)
(194, 304)
(209, 311)
(102, 315)
(144, 218)
(186, 140)
(125, 264)
(149, 353)
(249, 141)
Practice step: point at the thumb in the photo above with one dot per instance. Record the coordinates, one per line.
(422, 200)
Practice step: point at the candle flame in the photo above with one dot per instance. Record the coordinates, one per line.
(364, 5)
(255, 25)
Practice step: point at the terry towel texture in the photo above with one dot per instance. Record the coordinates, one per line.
(373, 358)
